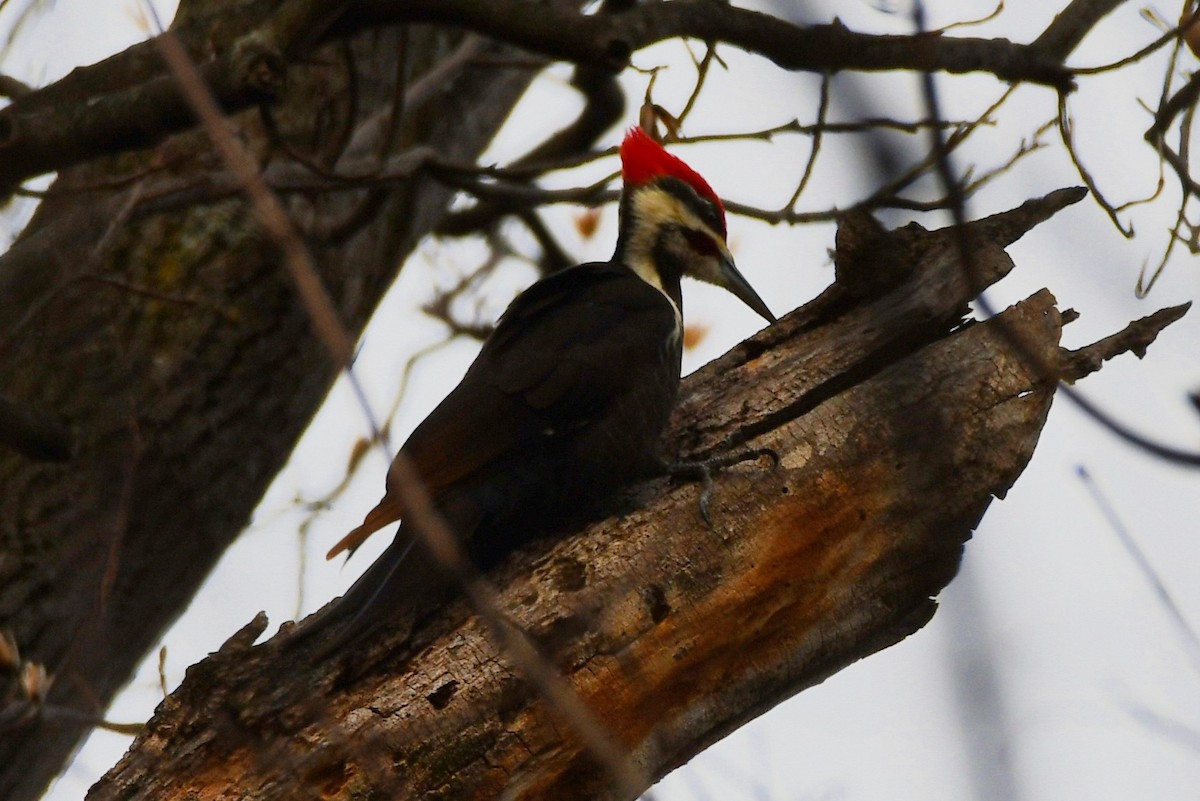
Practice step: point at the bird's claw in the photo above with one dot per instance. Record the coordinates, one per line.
(754, 454)
(702, 471)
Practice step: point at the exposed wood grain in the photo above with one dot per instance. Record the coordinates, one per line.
(896, 425)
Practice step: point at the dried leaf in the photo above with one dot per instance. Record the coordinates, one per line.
(587, 222)
(361, 446)
(694, 334)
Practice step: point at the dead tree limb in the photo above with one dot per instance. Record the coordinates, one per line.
(896, 423)
(146, 347)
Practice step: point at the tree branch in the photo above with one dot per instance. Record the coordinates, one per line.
(895, 426)
(36, 139)
(609, 40)
(1134, 338)
(130, 101)
(1072, 24)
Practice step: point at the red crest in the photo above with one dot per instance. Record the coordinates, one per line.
(643, 160)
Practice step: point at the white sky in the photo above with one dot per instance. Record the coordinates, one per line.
(1077, 641)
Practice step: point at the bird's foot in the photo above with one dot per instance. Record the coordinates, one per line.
(704, 470)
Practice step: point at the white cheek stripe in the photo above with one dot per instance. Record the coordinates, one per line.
(654, 208)
(648, 272)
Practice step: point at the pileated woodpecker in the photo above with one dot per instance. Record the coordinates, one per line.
(567, 400)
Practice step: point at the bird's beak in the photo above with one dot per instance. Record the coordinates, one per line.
(732, 280)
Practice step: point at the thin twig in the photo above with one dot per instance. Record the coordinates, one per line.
(266, 205)
(1048, 372)
(12, 88)
(423, 516)
(1176, 35)
(230, 315)
(1068, 140)
(970, 23)
(702, 67)
(1187, 633)
(822, 109)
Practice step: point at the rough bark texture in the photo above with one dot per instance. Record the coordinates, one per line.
(895, 423)
(162, 343)
(157, 368)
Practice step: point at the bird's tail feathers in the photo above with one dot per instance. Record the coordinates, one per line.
(377, 596)
(387, 512)
(405, 582)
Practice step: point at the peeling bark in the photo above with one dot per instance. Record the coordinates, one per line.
(145, 339)
(896, 423)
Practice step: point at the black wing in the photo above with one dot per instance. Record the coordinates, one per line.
(563, 349)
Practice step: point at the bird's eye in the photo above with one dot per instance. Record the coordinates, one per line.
(700, 242)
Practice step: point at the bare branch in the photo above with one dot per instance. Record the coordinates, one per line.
(819, 48)
(822, 110)
(1177, 34)
(1046, 368)
(11, 88)
(1066, 131)
(1072, 24)
(1134, 338)
(1187, 634)
(441, 710)
(36, 139)
(129, 104)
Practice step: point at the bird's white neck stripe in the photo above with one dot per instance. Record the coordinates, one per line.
(654, 206)
(647, 270)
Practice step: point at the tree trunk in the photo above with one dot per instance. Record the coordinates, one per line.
(156, 365)
(895, 425)
(159, 363)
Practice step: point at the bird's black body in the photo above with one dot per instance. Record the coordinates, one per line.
(564, 405)
(566, 402)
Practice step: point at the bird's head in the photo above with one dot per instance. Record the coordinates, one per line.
(673, 223)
